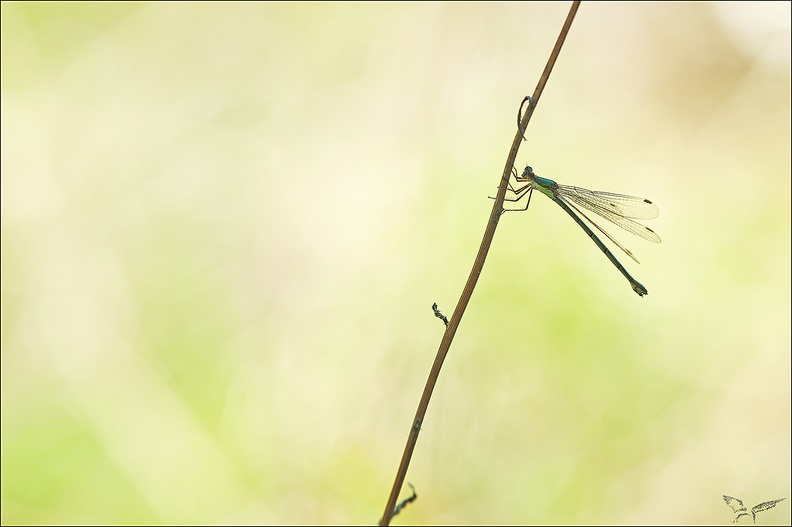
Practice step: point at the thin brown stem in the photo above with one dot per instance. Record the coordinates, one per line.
(478, 265)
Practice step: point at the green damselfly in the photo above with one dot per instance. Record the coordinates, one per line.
(618, 209)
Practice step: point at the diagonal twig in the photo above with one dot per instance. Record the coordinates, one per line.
(478, 265)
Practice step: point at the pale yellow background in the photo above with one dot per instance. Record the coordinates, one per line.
(223, 227)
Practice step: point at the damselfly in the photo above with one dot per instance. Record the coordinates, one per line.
(618, 209)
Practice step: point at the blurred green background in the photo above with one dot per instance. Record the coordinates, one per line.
(223, 227)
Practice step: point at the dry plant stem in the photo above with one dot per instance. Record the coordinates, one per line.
(478, 265)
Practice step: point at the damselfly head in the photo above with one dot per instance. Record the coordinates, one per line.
(528, 171)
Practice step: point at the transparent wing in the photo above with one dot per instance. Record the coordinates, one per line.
(620, 204)
(616, 208)
(611, 238)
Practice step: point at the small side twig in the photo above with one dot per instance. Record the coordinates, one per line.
(438, 314)
(478, 265)
(405, 501)
(530, 102)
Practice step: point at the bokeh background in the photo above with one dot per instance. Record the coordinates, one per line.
(223, 227)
